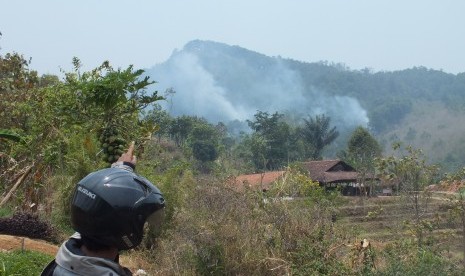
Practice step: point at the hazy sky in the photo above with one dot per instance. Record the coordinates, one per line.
(382, 35)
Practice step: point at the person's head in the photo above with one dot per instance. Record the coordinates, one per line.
(110, 207)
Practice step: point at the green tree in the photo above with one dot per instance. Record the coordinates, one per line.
(16, 91)
(411, 174)
(317, 134)
(362, 149)
(270, 140)
(112, 99)
(31, 107)
(161, 119)
(109, 93)
(182, 126)
(58, 121)
(362, 145)
(258, 145)
(204, 141)
(227, 141)
(242, 156)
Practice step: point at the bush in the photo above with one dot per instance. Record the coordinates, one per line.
(405, 258)
(28, 225)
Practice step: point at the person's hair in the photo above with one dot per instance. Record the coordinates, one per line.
(94, 245)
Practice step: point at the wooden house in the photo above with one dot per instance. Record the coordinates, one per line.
(330, 174)
(335, 173)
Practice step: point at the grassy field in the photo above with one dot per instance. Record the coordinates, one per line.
(22, 262)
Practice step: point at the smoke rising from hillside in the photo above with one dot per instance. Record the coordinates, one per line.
(195, 91)
(236, 90)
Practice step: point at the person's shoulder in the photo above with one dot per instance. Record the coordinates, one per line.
(49, 269)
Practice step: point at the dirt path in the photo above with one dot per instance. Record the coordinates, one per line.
(9, 243)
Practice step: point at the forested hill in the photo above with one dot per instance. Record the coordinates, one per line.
(417, 106)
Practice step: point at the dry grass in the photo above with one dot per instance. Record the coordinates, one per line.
(220, 231)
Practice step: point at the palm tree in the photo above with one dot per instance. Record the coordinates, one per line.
(317, 134)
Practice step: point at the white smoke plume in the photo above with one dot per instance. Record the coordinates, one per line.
(195, 91)
(270, 87)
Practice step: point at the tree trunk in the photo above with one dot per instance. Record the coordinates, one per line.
(13, 189)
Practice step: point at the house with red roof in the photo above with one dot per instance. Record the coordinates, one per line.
(257, 181)
(328, 173)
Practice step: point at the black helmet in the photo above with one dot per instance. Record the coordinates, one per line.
(111, 206)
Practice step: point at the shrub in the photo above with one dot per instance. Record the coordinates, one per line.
(28, 225)
(404, 258)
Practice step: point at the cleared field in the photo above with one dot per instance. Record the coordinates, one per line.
(385, 219)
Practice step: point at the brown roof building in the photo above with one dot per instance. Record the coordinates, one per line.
(330, 171)
(334, 173)
(258, 181)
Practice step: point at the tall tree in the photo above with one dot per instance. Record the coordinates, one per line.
(272, 134)
(362, 145)
(16, 91)
(182, 126)
(317, 134)
(362, 149)
(112, 99)
(204, 141)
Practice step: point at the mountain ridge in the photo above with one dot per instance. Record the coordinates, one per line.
(226, 83)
